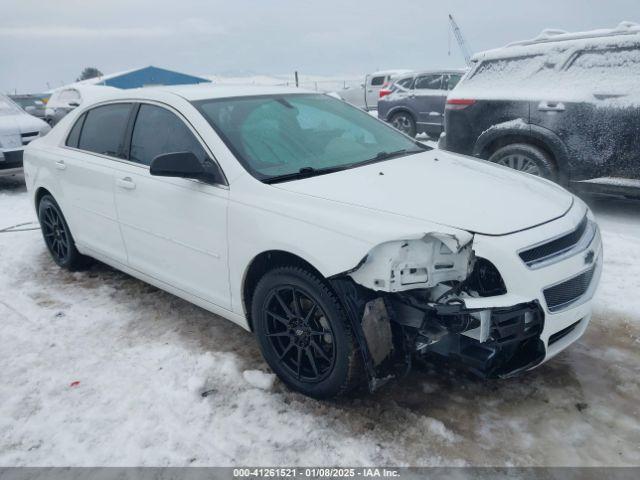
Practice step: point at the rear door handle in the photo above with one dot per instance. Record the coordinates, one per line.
(126, 183)
(60, 165)
(551, 107)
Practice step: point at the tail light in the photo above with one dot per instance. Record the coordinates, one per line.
(384, 92)
(459, 103)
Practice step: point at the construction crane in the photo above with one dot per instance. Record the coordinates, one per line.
(464, 48)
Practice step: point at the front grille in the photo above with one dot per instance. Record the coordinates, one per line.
(554, 247)
(29, 134)
(562, 295)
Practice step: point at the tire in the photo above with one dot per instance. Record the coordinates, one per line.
(526, 158)
(289, 304)
(57, 236)
(404, 122)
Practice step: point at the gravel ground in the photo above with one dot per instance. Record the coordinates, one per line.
(101, 369)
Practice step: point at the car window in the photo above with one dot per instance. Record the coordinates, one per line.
(614, 69)
(280, 135)
(74, 134)
(452, 81)
(428, 82)
(404, 83)
(67, 96)
(377, 81)
(103, 129)
(158, 131)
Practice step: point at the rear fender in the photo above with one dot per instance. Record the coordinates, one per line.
(539, 136)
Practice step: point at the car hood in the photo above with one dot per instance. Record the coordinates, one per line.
(443, 188)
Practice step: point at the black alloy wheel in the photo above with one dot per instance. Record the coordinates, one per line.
(299, 333)
(304, 333)
(57, 236)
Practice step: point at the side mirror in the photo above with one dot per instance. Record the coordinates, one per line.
(185, 165)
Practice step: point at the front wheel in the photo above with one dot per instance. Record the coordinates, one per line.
(57, 235)
(304, 334)
(526, 158)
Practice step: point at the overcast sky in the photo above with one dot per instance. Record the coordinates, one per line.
(47, 43)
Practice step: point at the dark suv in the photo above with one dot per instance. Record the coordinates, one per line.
(415, 102)
(562, 106)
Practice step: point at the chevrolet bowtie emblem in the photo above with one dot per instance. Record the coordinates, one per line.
(588, 258)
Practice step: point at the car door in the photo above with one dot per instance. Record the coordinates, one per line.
(428, 101)
(84, 166)
(175, 229)
(601, 126)
(372, 89)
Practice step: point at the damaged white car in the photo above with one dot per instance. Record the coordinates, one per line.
(347, 247)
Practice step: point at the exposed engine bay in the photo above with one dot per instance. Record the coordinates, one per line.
(408, 298)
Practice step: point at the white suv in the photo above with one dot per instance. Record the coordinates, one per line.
(344, 245)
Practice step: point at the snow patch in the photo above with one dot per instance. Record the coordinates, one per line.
(259, 379)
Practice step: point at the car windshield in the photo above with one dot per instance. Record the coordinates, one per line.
(8, 107)
(283, 137)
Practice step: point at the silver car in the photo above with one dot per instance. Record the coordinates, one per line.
(415, 103)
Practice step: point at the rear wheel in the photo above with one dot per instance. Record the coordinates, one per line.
(526, 158)
(404, 122)
(304, 334)
(57, 235)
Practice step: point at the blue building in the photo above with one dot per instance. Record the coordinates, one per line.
(145, 77)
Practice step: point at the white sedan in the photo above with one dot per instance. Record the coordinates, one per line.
(17, 129)
(347, 247)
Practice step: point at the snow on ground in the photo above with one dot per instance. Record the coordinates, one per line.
(98, 368)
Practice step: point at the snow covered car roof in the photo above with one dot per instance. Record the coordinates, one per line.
(600, 66)
(551, 39)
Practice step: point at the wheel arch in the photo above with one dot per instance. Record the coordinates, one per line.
(40, 192)
(400, 109)
(496, 137)
(263, 263)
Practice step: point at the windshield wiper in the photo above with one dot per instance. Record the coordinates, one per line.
(384, 155)
(305, 172)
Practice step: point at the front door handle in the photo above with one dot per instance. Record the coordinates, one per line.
(551, 107)
(126, 183)
(60, 165)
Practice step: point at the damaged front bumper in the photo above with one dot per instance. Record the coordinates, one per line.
(392, 329)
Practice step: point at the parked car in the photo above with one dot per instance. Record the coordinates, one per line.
(65, 99)
(32, 103)
(415, 103)
(366, 95)
(17, 129)
(344, 245)
(564, 106)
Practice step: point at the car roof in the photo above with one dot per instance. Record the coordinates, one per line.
(626, 33)
(191, 92)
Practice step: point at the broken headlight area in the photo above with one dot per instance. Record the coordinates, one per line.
(407, 299)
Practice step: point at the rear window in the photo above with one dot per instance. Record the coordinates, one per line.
(452, 81)
(515, 69)
(104, 128)
(377, 81)
(74, 135)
